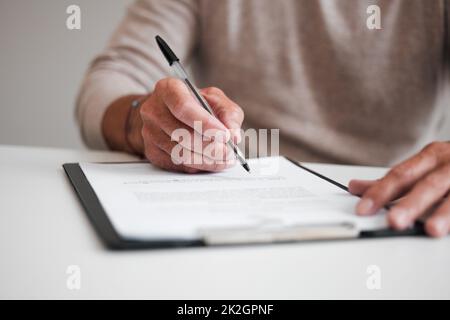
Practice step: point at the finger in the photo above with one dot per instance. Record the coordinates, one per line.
(180, 102)
(438, 225)
(199, 161)
(182, 156)
(426, 193)
(228, 112)
(397, 181)
(165, 131)
(358, 187)
(162, 160)
(191, 140)
(161, 117)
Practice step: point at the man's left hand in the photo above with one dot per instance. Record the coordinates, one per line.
(421, 184)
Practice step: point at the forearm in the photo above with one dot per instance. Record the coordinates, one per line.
(122, 125)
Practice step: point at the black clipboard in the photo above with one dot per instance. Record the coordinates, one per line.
(112, 239)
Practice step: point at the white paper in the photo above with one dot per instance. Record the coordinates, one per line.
(146, 203)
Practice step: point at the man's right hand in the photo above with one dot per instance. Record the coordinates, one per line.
(171, 106)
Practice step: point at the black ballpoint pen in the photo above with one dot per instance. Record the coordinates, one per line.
(174, 62)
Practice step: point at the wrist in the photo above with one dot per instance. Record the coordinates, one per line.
(133, 126)
(122, 125)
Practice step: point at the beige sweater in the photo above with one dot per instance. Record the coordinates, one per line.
(337, 91)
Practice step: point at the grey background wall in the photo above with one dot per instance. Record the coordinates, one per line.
(42, 64)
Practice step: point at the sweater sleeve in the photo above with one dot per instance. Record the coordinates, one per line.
(132, 62)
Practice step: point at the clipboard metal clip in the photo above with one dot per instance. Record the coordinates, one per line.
(277, 234)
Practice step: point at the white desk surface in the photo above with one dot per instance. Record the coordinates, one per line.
(43, 230)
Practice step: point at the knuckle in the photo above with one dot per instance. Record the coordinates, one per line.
(439, 151)
(374, 194)
(435, 147)
(379, 190)
(399, 173)
(433, 181)
(173, 83)
(160, 85)
(396, 173)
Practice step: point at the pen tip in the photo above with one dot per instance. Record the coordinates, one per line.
(246, 167)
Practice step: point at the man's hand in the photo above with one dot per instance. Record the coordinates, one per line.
(421, 184)
(171, 106)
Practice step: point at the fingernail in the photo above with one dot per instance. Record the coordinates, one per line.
(365, 206)
(351, 186)
(400, 218)
(440, 226)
